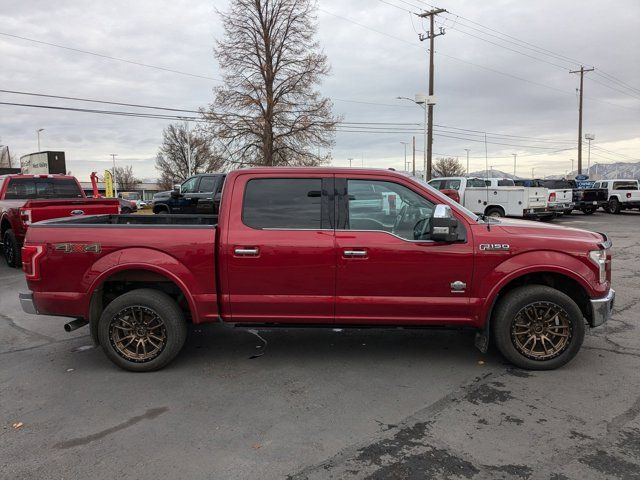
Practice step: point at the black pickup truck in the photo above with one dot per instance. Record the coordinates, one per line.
(199, 194)
(588, 200)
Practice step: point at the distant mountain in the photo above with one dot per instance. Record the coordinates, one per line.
(491, 174)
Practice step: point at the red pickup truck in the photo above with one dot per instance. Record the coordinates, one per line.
(321, 247)
(26, 199)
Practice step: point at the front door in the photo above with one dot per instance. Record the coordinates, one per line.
(188, 199)
(389, 271)
(280, 250)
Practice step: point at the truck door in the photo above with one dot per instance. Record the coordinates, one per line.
(204, 200)
(388, 272)
(279, 253)
(188, 200)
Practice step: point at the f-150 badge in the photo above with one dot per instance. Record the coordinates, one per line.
(492, 247)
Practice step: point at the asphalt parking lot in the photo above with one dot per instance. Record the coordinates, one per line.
(324, 404)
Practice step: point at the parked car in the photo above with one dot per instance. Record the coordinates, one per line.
(26, 199)
(287, 250)
(133, 197)
(197, 194)
(488, 197)
(560, 200)
(127, 207)
(621, 194)
(588, 200)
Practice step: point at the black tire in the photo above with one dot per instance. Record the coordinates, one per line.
(496, 212)
(614, 206)
(11, 249)
(537, 297)
(589, 210)
(152, 303)
(547, 218)
(568, 212)
(161, 210)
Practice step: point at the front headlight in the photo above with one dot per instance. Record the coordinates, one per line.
(599, 258)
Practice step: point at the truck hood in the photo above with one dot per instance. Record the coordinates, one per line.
(533, 229)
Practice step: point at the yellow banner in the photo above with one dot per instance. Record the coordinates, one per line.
(108, 184)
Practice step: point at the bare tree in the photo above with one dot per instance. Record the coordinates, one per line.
(269, 111)
(448, 167)
(173, 154)
(125, 179)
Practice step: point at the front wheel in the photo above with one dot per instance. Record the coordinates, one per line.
(11, 249)
(537, 327)
(142, 330)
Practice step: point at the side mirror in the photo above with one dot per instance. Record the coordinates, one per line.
(444, 226)
(175, 193)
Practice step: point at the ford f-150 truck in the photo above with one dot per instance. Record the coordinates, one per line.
(26, 199)
(317, 247)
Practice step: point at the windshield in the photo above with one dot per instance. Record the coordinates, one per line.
(130, 195)
(446, 200)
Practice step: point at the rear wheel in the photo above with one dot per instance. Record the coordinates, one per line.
(11, 249)
(142, 330)
(614, 205)
(495, 212)
(538, 327)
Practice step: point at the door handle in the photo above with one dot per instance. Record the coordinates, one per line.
(246, 252)
(355, 253)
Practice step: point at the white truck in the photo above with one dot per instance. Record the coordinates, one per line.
(560, 199)
(497, 201)
(622, 194)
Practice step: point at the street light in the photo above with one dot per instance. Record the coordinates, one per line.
(422, 100)
(38, 130)
(572, 166)
(589, 137)
(515, 156)
(405, 155)
(350, 160)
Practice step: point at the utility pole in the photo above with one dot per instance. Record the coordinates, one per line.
(405, 167)
(581, 72)
(38, 134)
(515, 155)
(115, 184)
(431, 35)
(467, 150)
(414, 155)
(186, 125)
(350, 160)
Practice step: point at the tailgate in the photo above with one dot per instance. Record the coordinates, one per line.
(39, 210)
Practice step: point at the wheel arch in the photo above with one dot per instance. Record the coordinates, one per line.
(127, 277)
(495, 207)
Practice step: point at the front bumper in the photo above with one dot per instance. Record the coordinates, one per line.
(601, 308)
(26, 302)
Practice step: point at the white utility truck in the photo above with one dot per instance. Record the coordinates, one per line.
(497, 201)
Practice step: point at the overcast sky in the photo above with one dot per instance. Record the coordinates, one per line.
(367, 66)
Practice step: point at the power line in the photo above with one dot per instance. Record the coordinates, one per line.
(110, 57)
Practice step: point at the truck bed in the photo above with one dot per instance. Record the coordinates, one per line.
(134, 220)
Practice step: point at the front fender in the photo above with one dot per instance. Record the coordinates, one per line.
(546, 261)
(143, 259)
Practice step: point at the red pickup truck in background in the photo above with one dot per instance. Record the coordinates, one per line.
(26, 199)
(321, 247)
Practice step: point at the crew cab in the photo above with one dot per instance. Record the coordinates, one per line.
(314, 247)
(497, 197)
(621, 194)
(26, 199)
(197, 194)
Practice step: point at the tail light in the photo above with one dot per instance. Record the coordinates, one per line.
(25, 216)
(31, 261)
(552, 197)
(629, 195)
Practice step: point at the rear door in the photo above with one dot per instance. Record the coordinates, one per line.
(206, 189)
(389, 272)
(279, 253)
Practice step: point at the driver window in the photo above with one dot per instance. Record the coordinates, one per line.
(388, 207)
(189, 186)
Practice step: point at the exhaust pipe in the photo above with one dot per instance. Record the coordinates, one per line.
(77, 323)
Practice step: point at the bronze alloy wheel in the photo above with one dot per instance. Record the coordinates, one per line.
(138, 334)
(541, 330)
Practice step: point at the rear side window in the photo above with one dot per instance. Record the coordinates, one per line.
(32, 188)
(625, 186)
(437, 184)
(451, 184)
(475, 182)
(207, 184)
(506, 183)
(290, 203)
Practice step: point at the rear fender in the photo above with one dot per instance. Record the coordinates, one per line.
(143, 259)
